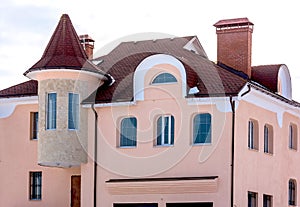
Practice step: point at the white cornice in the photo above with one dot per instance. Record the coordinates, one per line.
(33, 74)
(266, 101)
(8, 105)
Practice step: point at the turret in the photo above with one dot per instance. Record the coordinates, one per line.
(65, 77)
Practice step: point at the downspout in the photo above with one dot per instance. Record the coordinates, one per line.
(232, 103)
(95, 155)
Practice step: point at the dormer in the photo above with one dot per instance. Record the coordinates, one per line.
(274, 77)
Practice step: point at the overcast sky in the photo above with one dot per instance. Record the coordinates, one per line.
(27, 25)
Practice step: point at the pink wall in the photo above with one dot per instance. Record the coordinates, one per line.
(146, 160)
(18, 156)
(257, 171)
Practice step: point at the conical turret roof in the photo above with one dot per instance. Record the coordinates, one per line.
(64, 51)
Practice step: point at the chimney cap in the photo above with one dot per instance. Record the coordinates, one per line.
(233, 22)
(86, 37)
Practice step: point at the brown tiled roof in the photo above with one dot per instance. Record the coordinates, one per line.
(211, 79)
(266, 75)
(28, 88)
(64, 51)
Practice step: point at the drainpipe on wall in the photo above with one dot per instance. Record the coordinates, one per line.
(232, 103)
(95, 155)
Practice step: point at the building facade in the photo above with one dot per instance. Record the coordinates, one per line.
(153, 123)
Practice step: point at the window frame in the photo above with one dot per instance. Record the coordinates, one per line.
(252, 199)
(161, 139)
(48, 113)
(35, 185)
(122, 133)
(268, 139)
(71, 124)
(253, 135)
(158, 77)
(34, 125)
(267, 200)
(292, 192)
(293, 138)
(208, 133)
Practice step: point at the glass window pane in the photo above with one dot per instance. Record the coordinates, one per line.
(51, 111)
(202, 129)
(164, 78)
(73, 113)
(165, 130)
(128, 132)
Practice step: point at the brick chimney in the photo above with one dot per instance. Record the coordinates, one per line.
(88, 45)
(235, 43)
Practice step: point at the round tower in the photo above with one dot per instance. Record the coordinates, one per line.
(65, 77)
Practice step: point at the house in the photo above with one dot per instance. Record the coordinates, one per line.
(153, 123)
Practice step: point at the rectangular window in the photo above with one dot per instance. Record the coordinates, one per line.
(34, 116)
(267, 200)
(73, 113)
(165, 130)
(128, 132)
(51, 111)
(268, 139)
(252, 199)
(202, 129)
(35, 186)
(293, 137)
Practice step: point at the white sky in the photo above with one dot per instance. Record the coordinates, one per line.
(27, 25)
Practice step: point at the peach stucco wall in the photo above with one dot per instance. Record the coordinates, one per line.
(150, 161)
(18, 156)
(260, 172)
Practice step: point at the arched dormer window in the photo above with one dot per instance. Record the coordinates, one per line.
(151, 61)
(164, 78)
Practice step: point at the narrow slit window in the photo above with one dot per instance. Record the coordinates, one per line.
(34, 116)
(73, 114)
(51, 111)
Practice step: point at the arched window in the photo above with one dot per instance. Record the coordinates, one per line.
(165, 130)
(202, 129)
(293, 137)
(128, 132)
(253, 134)
(292, 192)
(164, 78)
(268, 139)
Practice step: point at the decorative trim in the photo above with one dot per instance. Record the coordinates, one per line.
(163, 185)
(8, 105)
(149, 62)
(32, 75)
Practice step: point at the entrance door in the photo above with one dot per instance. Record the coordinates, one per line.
(75, 190)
